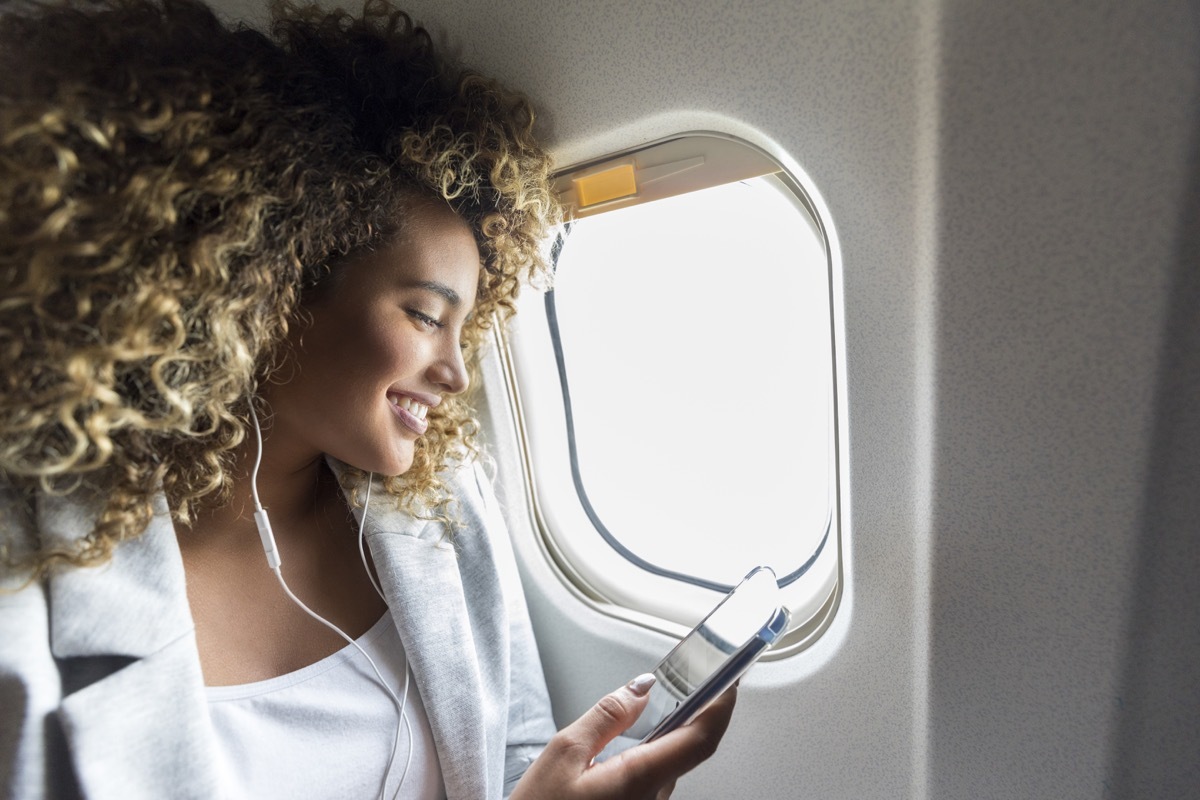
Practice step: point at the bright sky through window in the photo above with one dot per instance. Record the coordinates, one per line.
(696, 336)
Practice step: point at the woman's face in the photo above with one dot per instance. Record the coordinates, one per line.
(383, 346)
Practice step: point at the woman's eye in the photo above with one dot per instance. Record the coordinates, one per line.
(424, 318)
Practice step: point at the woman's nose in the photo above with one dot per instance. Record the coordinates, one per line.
(449, 371)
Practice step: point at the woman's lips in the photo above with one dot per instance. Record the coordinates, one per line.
(410, 412)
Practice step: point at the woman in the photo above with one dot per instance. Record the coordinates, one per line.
(237, 272)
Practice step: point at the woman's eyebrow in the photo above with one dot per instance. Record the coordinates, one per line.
(440, 289)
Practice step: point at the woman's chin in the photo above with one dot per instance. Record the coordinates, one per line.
(389, 465)
(395, 466)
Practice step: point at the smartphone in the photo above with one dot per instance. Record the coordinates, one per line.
(714, 655)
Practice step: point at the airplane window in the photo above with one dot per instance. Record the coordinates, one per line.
(693, 362)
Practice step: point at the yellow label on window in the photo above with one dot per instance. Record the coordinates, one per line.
(611, 184)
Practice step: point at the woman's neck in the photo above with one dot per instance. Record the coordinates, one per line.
(247, 629)
(297, 489)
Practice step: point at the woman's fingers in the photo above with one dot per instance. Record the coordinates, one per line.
(586, 737)
(682, 749)
(565, 770)
(561, 772)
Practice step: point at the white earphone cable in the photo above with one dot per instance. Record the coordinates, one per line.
(273, 560)
(362, 553)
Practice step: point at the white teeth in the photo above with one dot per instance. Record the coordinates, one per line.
(418, 410)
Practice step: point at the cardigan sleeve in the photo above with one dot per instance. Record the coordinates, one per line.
(530, 723)
(33, 759)
(31, 739)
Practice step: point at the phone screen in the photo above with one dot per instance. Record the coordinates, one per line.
(714, 655)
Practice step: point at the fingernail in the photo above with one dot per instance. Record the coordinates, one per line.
(641, 684)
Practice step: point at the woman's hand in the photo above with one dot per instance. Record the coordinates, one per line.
(565, 771)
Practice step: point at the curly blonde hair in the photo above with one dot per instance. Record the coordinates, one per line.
(168, 192)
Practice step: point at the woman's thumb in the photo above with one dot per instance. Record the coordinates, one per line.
(612, 714)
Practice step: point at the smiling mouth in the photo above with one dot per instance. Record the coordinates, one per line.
(410, 412)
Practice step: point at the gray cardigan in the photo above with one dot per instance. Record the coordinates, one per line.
(101, 693)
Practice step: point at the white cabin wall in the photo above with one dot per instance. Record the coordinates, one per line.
(1066, 136)
(1154, 752)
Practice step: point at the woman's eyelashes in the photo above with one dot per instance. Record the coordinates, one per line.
(424, 319)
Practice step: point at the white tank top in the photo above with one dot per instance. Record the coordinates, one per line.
(325, 731)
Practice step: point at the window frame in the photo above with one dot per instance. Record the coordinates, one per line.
(674, 611)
